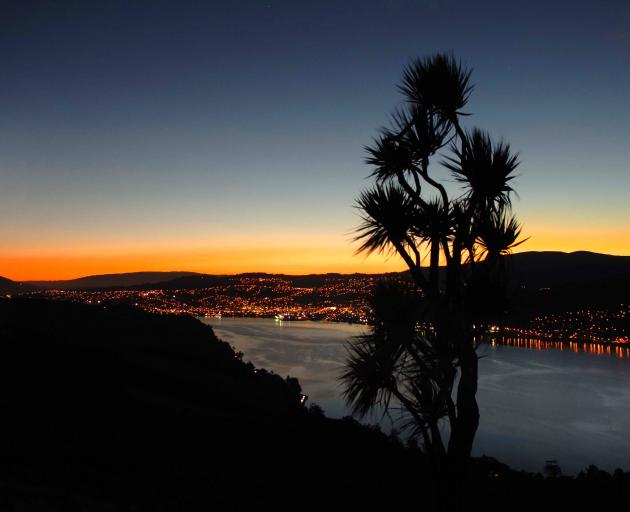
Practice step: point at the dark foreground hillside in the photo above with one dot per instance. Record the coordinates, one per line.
(117, 409)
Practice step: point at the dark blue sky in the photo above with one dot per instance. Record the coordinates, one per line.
(214, 126)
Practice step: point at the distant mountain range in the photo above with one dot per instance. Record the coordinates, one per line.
(549, 269)
(109, 281)
(528, 270)
(552, 282)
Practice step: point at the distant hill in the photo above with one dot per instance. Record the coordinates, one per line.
(529, 270)
(109, 280)
(187, 282)
(541, 281)
(553, 282)
(8, 286)
(208, 280)
(552, 269)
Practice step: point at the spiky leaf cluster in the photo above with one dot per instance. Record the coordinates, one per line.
(419, 337)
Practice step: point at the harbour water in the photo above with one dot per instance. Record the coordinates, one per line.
(538, 400)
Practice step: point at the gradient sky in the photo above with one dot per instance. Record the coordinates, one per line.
(227, 136)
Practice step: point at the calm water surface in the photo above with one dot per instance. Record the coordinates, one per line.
(535, 404)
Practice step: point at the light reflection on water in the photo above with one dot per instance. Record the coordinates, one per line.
(539, 399)
(599, 349)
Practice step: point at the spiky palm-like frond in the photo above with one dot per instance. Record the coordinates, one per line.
(499, 234)
(420, 344)
(423, 131)
(394, 305)
(389, 156)
(463, 230)
(438, 83)
(486, 169)
(375, 360)
(415, 134)
(394, 360)
(432, 221)
(387, 216)
(487, 290)
(369, 373)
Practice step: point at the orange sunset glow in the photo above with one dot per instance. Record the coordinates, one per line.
(348, 254)
(333, 254)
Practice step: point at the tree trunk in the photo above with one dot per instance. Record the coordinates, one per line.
(463, 430)
(434, 267)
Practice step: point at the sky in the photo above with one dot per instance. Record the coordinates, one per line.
(227, 137)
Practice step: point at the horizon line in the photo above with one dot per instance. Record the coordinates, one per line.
(233, 274)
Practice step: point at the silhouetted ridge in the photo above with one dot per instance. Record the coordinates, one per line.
(531, 269)
(187, 282)
(110, 280)
(9, 286)
(149, 409)
(112, 408)
(550, 269)
(554, 282)
(207, 280)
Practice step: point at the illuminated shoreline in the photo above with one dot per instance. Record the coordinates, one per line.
(600, 348)
(344, 301)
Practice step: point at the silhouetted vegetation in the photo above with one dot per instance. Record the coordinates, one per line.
(116, 404)
(431, 375)
(111, 408)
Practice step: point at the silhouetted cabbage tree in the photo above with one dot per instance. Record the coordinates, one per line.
(420, 352)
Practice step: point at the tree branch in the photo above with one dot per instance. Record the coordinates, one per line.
(409, 189)
(461, 135)
(424, 172)
(415, 251)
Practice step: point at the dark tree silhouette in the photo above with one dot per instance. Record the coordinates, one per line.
(420, 352)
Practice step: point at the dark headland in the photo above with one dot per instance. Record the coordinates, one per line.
(113, 408)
